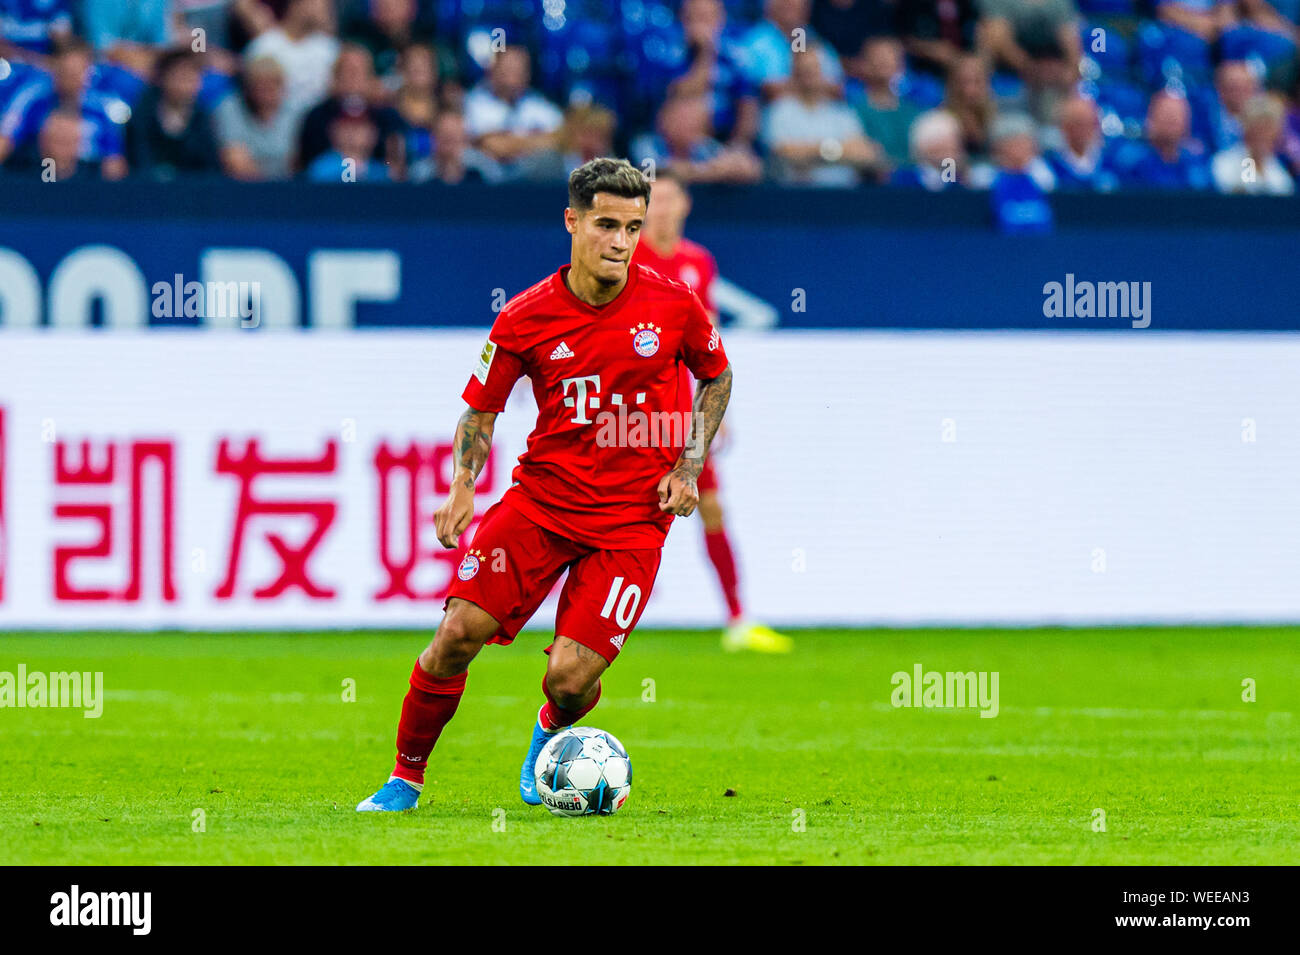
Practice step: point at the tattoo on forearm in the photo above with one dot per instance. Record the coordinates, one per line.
(711, 399)
(473, 443)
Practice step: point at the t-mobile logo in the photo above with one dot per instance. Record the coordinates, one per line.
(581, 403)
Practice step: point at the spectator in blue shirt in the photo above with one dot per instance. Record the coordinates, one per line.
(1163, 160)
(353, 135)
(1202, 18)
(31, 29)
(1020, 205)
(769, 49)
(132, 34)
(712, 67)
(1235, 85)
(1013, 147)
(60, 147)
(68, 89)
(683, 142)
(1079, 162)
(1018, 180)
(938, 154)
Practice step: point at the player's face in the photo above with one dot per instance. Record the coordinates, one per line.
(605, 236)
(669, 207)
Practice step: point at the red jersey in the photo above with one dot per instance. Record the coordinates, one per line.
(690, 262)
(611, 420)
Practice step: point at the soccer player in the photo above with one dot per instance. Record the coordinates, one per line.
(664, 249)
(615, 454)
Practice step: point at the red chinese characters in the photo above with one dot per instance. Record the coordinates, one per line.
(320, 514)
(117, 511)
(412, 484)
(93, 492)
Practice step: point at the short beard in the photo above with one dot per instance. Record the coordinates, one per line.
(604, 282)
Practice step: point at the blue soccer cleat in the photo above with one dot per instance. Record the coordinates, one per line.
(396, 795)
(527, 781)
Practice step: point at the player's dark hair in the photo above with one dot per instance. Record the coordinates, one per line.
(615, 176)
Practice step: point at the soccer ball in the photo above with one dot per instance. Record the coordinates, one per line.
(583, 771)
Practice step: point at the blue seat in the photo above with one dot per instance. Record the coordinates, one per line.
(1288, 8)
(1127, 100)
(1203, 102)
(638, 16)
(582, 56)
(1007, 86)
(14, 76)
(1116, 59)
(1168, 53)
(113, 80)
(215, 87)
(1248, 42)
(476, 44)
(1109, 8)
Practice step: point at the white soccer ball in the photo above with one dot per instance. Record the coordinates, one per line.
(583, 771)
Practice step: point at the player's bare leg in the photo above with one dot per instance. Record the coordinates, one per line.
(573, 678)
(437, 683)
(572, 688)
(740, 634)
(464, 629)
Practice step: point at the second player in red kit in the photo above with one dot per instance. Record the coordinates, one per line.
(616, 453)
(664, 248)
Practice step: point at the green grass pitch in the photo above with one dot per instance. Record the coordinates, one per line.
(250, 735)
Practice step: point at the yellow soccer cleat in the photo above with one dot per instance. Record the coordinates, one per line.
(755, 636)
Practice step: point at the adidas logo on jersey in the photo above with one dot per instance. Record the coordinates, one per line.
(561, 351)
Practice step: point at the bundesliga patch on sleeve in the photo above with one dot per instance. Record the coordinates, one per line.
(485, 361)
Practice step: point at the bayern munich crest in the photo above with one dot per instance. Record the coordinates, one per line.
(645, 339)
(470, 565)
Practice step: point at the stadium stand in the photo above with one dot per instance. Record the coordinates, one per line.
(1105, 95)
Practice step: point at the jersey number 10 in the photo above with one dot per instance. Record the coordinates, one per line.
(626, 604)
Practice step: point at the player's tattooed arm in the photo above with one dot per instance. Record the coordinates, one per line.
(471, 445)
(678, 492)
(711, 399)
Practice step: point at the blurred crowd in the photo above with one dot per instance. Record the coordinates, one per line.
(1022, 96)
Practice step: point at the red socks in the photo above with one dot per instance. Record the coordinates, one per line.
(553, 717)
(429, 706)
(724, 562)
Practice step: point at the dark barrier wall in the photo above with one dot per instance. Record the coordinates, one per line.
(883, 259)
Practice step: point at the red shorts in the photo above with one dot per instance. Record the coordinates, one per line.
(708, 479)
(512, 564)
